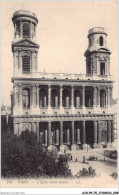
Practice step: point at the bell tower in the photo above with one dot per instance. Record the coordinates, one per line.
(24, 47)
(97, 55)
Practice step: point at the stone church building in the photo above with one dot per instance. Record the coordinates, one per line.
(63, 109)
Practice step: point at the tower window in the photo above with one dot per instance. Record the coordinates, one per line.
(26, 98)
(101, 41)
(26, 30)
(89, 69)
(102, 98)
(102, 68)
(26, 63)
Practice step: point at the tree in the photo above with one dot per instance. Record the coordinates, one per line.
(24, 156)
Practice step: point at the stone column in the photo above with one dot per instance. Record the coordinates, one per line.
(108, 131)
(14, 96)
(112, 131)
(83, 96)
(61, 96)
(78, 101)
(37, 88)
(94, 96)
(16, 128)
(95, 134)
(36, 63)
(49, 134)
(111, 101)
(14, 62)
(61, 132)
(35, 96)
(84, 133)
(15, 31)
(78, 136)
(19, 60)
(20, 128)
(32, 95)
(72, 133)
(57, 136)
(107, 96)
(98, 96)
(67, 101)
(16, 88)
(37, 129)
(46, 137)
(30, 29)
(32, 61)
(99, 136)
(33, 127)
(20, 95)
(56, 101)
(45, 101)
(72, 96)
(49, 98)
(68, 138)
(21, 34)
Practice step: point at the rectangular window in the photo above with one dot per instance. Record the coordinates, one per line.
(102, 68)
(89, 69)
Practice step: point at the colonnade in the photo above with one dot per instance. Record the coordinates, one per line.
(78, 96)
(70, 135)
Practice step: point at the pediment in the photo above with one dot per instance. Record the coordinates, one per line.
(25, 43)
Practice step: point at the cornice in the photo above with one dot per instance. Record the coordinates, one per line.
(63, 81)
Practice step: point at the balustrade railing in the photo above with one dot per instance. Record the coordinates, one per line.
(64, 76)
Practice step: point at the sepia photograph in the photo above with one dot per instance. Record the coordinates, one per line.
(59, 82)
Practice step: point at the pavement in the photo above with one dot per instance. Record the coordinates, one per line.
(104, 167)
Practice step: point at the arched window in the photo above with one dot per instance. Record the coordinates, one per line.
(66, 98)
(89, 97)
(26, 98)
(26, 31)
(55, 98)
(102, 98)
(43, 98)
(101, 41)
(77, 98)
(26, 62)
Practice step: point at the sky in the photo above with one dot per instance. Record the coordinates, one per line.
(62, 35)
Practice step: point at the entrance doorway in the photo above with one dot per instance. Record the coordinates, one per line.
(89, 133)
(103, 136)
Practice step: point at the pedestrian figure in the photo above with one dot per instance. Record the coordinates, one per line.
(71, 157)
(104, 156)
(83, 159)
(76, 159)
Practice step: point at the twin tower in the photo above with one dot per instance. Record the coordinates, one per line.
(25, 49)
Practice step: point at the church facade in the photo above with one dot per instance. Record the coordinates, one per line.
(63, 109)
